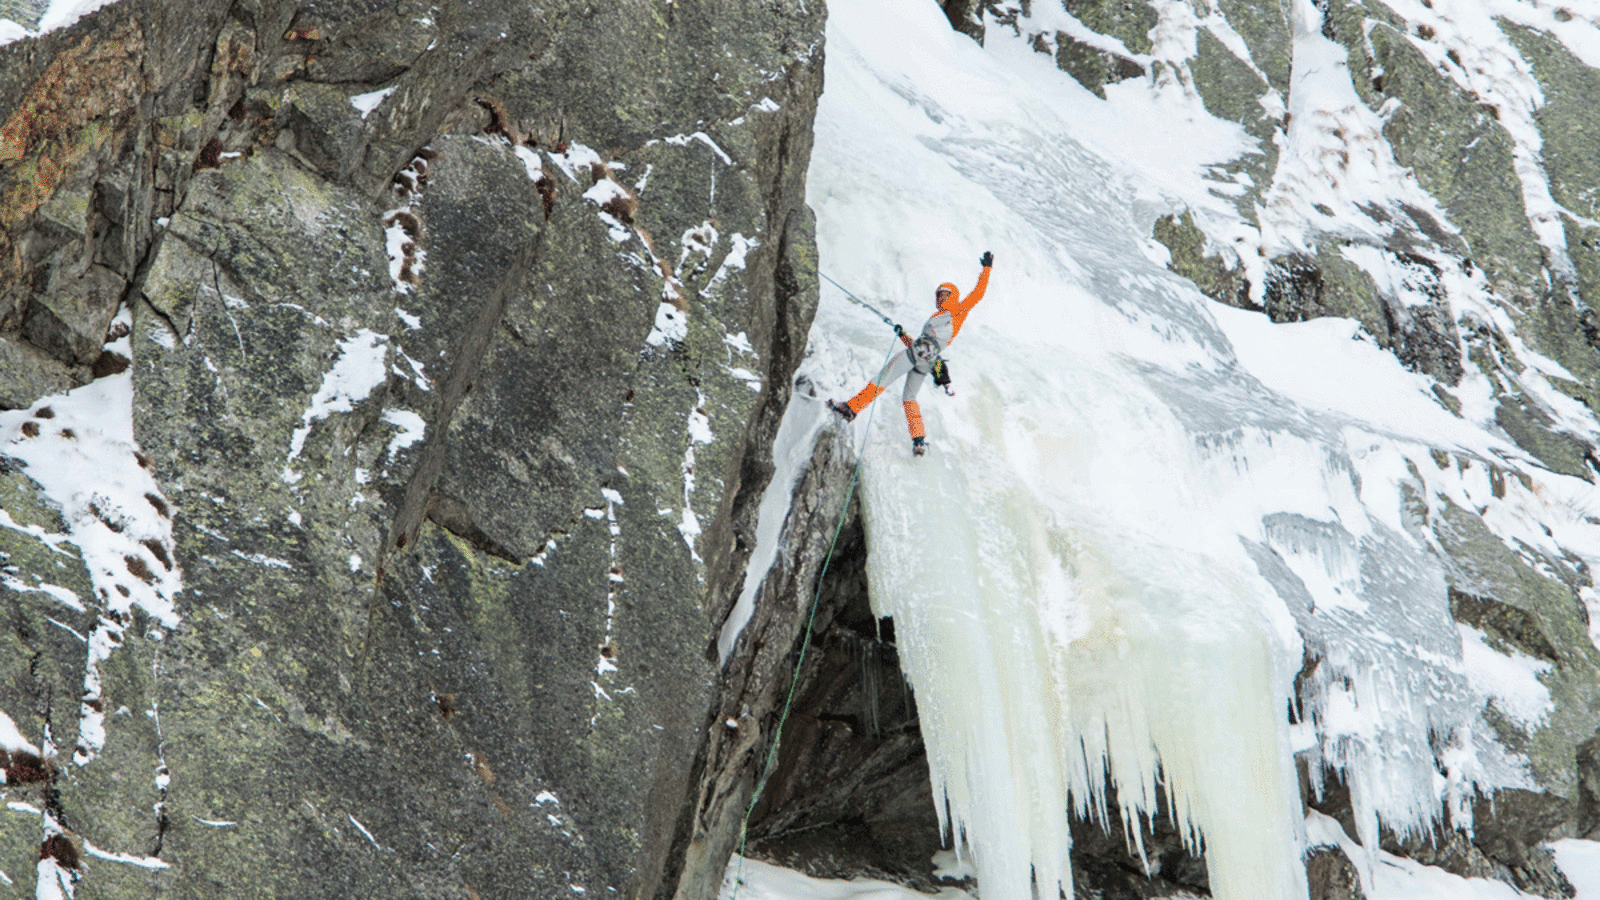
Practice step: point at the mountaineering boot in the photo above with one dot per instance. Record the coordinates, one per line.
(918, 446)
(844, 411)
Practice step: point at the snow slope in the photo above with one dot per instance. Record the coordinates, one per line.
(1141, 506)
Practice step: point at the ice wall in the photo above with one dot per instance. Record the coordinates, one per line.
(1141, 510)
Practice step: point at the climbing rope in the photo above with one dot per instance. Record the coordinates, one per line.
(805, 643)
(886, 320)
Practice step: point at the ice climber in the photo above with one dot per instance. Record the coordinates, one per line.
(922, 355)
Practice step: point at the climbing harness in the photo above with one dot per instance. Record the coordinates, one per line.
(805, 644)
(941, 371)
(922, 349)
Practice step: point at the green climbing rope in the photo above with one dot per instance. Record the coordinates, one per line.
(805, 644)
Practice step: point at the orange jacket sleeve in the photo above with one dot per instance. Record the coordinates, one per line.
(976, 294)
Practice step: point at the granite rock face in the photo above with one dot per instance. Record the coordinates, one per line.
(459, 336)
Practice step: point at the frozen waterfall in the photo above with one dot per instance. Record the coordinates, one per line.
(1141, 509)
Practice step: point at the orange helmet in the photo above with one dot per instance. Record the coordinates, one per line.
(938, 294)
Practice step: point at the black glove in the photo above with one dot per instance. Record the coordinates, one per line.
(899, 332)
(987, 259)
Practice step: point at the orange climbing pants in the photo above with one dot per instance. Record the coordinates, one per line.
(905, 364)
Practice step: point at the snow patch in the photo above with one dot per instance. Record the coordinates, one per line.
(530, 162)
(671, 326)
(412, 429)
(1511, 679)
(738, 252)
(403, 228)
(791, 451)
(608, 194)
(11, 739)
(64, 596)
(261, 559)
(683, 140)
(699, 432)
(360, 369)
(607, 662)
(364, 832)
(59, 14)
(574, 159)
(366, 103)
(143, 862)
(78, 447)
